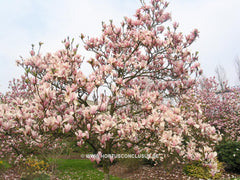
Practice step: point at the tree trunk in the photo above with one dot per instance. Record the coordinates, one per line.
(106, 166)
(106, 176)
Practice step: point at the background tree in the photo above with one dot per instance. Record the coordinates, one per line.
(221, 77)
(219, 109)
(237, 65)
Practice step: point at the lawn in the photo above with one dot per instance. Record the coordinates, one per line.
(79, 169)
(75, 169)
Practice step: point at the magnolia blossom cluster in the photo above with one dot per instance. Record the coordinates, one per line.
(220, 107)
(129, 100)
(200, 130)
(143, 47)
(21, 128)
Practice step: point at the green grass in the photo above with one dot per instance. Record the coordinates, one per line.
(4, 165)
(79, 169)
(74, 169)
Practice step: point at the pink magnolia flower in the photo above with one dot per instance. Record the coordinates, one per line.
(129, 145)
(103, 106)
(212, 155)
(34, 134)
(103, 139)
(71, 97)
(58, 120)
(1, 122)
(119, 133)
(93, 109)
(32, 52)
(67, 44)
(86, 134)
(197, 156)
(99, 154)
(92, 158)
(27, 130)
(80, 143)
(136, 149)
(49, 121)
(7, 125)
(97, 159)
(175, 25)
(79, 134)
(111, 159)
(88, 126)
(67, 128)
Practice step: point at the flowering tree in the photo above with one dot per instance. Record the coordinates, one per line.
(9, 145)
(126, 102)
(221, 108)
(18, 138)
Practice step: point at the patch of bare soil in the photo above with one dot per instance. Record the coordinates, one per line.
(147, 172)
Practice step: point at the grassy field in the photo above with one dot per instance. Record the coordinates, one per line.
(79, 169)
(66, 169)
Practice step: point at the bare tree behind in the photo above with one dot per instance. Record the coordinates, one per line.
(237, 63)
(221, 77)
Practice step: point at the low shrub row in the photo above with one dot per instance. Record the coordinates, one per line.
(229, 153)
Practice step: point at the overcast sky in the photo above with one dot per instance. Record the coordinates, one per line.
(26, 22)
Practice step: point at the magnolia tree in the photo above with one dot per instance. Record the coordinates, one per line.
(127, 102)
(12, 142)
(221, 108)
(18, 138)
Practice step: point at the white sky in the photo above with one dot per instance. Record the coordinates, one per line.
(26, 22)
